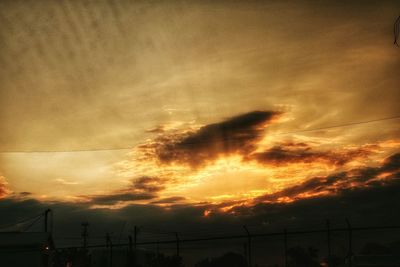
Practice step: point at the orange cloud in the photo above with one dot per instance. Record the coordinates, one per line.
(141, 189)
(148, 184)
(4, 191)
(111, 199)
(236, 162)
(387, 173)
(290, 152)
(238, 135)
(243, 136)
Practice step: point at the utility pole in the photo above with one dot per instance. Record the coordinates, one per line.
(130, 264)
(248, 245)
(177, 244)
(328, 233)
(135, 233)
(245, 253)
(350, 232)
(85, 234)
(158, 249)
(130, 243)
(110, 245)
(286, 246)
(46, 218)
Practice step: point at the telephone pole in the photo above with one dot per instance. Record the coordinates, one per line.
(110, 245)
(350, 232)
(46, 221)
(328, 233)
(245, 253)
(135, 233)
(248, 245)
(130, 264)
(85, 234)
(286, 246)
(177, 244)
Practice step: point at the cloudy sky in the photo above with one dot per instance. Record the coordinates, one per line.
(221, 108)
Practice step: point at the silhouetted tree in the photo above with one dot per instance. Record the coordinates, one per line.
(160, 260)
(375, 249)
(229, 259)
(300, 257)
(334, 261)
(395, 247)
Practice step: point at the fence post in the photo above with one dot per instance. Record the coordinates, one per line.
(248, 245)
(130, 259)
(177, 245)
(85, 234)
(109, 244)
(286, 246)
(245, 253)
(135, 233)
(46, 218)
(328, 233)
(350, 232)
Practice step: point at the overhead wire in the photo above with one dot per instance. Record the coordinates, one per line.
(342, 125)
(32, 223)
(21, 221)
(131, 147)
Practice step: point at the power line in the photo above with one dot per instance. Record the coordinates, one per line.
(22, 221)
(342, 125)
(242, 236)
(31, 224)
(128, 148)
(67, 151)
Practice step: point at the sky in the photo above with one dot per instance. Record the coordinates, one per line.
(188, 111)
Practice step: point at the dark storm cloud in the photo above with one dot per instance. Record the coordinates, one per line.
(392, 163)
(380, 198)
(235, 135)
(121, 197)
(146, 188)
(363, 206)
(340, 182)
(288, 153)
(148, 184)
(169, 200)
(381, 201)
(239, 135)
(142, 188)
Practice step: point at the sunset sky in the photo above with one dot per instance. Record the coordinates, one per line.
(216, 106)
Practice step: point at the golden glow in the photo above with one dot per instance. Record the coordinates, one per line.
(229, 180)
(182, 67)
(4, 191)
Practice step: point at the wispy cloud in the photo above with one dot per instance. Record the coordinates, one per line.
(148, 184)
(169, 200)
(66, 182)
(111, 199)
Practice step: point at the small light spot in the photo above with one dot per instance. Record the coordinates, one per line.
(206, 213)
